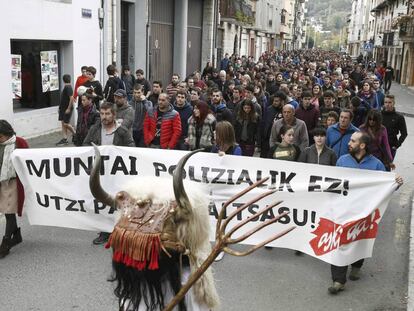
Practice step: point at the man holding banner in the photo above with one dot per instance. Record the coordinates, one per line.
(108, 132)
(358, 157)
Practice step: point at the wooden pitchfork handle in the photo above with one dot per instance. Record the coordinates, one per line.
(223, 240)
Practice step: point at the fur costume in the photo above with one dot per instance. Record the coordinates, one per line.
(160, 232)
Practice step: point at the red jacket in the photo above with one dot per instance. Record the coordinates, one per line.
(20, 143)
(170, 128)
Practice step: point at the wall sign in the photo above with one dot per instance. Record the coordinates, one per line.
(16, 73)
(86, 13)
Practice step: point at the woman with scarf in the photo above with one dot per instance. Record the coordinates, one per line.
(11, 190)
(201, 126)
(367, 95)
(87, 116)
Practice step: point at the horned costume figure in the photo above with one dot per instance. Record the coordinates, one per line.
(162, 235)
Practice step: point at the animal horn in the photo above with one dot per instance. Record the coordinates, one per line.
(179, 191)
(95, 184)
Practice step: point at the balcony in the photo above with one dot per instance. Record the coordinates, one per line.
(237, 10)
(406, 32)
(382, 5)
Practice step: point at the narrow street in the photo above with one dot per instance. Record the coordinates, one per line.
(62, 270)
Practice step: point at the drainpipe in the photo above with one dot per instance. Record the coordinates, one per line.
(114, 32)
(147, 42)
(215, 26)
(101, 39)
(401, 64)
(403, 52)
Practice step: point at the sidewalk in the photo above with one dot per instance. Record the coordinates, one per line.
(404, 99)
(47, 141)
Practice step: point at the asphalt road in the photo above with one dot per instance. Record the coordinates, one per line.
(60, 269)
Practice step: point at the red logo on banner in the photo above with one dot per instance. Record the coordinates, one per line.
(330, 236)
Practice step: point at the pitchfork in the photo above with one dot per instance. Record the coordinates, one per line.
(223, 239)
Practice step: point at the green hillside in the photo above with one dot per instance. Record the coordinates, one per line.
(331, 13)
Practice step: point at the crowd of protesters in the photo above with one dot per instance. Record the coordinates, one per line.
(305, 90)
(311, 106)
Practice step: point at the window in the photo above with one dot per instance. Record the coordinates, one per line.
(40, 73)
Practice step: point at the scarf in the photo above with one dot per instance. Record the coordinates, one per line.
(367, 94)
(7, 170)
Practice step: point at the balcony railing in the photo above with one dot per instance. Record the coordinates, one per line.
(406, 33)
(238, 10)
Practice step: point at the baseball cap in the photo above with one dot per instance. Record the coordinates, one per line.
(120, 93)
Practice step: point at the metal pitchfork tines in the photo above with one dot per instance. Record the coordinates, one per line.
(223, 239)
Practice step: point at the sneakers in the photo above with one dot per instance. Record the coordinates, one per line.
(62, 142)
(336, 288)
(354, 275)
(101, 239)
(219, 257)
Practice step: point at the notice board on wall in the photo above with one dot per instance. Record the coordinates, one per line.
(16, 73)
(49, 70)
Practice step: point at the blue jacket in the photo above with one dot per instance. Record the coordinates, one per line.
(369, 162)
(338, 141)
(379, 99)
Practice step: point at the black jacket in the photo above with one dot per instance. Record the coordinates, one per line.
(395, 124)
(252, 130)
(111, 86)
(310, 155)
(83, 127)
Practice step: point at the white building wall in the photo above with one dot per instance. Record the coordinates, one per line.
(230, 31)
(289, 7)
(356, 27)
(244, 49)
(207, 49)
(46, 20)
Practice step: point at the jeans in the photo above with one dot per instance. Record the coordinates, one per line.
(138, 136)
(387, 85)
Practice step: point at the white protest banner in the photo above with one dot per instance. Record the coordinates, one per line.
(336, 211)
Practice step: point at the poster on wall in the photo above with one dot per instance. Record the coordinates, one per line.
(49, 68)
(16, 72)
